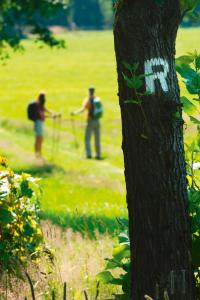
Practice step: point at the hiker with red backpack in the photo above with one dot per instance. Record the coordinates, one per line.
(94, 108)
(37, 112)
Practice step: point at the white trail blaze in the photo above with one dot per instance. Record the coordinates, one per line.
(161, 76)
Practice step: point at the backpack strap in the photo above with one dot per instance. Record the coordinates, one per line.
(92, 107)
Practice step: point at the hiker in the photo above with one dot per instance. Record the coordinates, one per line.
(94, 108)
(37, 112)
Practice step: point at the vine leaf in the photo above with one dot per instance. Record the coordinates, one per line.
(133, 82)
(194, 120)
(188, 106)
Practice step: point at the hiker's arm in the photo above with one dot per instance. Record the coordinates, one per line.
(82, 109)
(79, 111)
(51, 114)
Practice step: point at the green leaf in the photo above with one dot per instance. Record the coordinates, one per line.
(197, 61)
(105, 277)
(189, 5)
(123, 222)
(193, 84)
(136, 82)
(5, 216)
(2, 246)
(188, 106)
(135, 66)
(117, 281)
(185, 59)
(124, 238)
(28, 230)
(25, 189)
(112, 264)
(185, 70)
(127, 266)
(133, 82)
(126, 282)
(194, 120)
(120, 252)
(196, 252)
(132, 67)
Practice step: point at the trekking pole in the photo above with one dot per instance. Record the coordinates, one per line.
(73, 124)
(53, 139)
(56, 136)
(58, 128)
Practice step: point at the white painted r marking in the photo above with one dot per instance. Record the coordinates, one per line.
(161, 76)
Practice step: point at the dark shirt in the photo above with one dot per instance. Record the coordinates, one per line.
(40, 112)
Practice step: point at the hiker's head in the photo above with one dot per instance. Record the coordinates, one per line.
(42, 99)
(91, 91)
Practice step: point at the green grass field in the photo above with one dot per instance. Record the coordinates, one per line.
(77, 193)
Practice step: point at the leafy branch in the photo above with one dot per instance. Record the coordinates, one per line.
(188, 66)
(21, 239)
(135, 82)
(18, 16)
(188, 7)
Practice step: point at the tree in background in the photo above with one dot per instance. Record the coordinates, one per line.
(192, 18)
(16, 16)
(108, 12)
(152, 126)
(87, 13)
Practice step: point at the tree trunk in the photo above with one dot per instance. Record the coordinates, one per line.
(145, 33)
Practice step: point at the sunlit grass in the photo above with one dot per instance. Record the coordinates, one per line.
(71, 185)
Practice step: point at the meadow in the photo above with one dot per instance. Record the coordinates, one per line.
(85, 195)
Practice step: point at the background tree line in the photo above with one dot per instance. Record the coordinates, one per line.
(86, 14)
(97, 14)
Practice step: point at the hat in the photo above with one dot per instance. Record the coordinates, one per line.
(91, 88)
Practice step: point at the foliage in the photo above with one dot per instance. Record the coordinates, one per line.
(21, 236)
(188, 66)
(189, 5)
(190, 11)
(87, 13)
(135, 82)
(194, 195)
(16, 16)
(120, 260)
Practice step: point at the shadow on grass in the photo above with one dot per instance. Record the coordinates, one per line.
(87, 225)
(16, 126)
(41, 171)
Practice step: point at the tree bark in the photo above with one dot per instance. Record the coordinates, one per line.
(155, 173)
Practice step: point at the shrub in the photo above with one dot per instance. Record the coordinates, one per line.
(21, 238)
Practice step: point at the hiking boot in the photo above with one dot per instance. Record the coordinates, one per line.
(98, 157)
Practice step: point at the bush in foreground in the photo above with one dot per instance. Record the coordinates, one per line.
(21, 239)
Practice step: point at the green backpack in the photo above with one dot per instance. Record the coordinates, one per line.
(97, 108)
